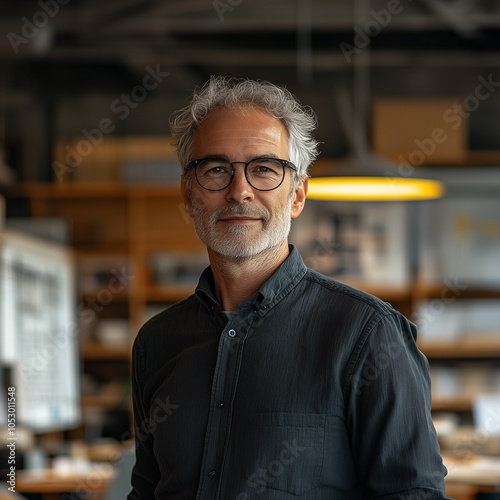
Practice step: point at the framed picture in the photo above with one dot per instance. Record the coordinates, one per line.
(361, 243)
(460, 241)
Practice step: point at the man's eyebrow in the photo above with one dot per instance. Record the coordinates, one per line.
(216, 157)
(264, 155)
(226, 158)
(268, 155)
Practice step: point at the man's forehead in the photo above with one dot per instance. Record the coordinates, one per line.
(242, 123)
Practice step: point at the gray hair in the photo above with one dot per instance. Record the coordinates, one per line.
(224, 92)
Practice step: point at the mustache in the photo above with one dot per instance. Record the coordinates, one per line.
(244, 210)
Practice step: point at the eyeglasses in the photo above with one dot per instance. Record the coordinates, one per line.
(263, 174)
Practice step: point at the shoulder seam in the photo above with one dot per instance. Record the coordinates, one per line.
(381, 307)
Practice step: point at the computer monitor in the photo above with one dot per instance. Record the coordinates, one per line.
(38, 332)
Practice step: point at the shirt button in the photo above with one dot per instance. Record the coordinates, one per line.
(232, 333)
(221, 405)
(211, 473)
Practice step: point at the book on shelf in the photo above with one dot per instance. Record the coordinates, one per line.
(465, 319)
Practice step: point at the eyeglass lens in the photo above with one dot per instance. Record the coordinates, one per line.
(263, 174)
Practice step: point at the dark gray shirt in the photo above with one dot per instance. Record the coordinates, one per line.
(312, 390)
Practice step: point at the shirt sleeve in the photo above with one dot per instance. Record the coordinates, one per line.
(145, 474)
(388, 411)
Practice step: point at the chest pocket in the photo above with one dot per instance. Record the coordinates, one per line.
(286, 454)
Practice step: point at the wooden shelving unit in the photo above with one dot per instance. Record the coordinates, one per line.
(120, 226)
(121, 223)
(475, 348)
(466, 353)
(109, 220)
(422, 291)
(97, 351)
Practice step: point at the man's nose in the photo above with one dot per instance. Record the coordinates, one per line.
(239, 190)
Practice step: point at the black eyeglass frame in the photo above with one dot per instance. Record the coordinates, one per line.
(193, 164)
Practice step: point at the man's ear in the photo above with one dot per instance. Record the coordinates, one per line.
(186, 197)
(299, 197)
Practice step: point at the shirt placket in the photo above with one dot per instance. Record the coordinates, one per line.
(224, 384)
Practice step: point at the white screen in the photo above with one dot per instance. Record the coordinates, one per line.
(38, 334)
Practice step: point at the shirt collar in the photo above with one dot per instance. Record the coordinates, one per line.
(284, 279)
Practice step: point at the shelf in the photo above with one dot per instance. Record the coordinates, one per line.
(98, 351)
(83, 253)
(464, 348)
(101, 402)
(89, 295)
(470, 158)
(483, 157)
(454, 290)
(171, 293)
(91, 190)
(456, 404)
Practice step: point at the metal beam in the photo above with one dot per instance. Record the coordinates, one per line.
(108, 14)
(455, 15)
(209, 57)
(182, 26)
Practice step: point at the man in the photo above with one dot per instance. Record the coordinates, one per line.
(272, 381)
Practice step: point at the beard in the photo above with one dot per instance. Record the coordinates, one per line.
(241, 241)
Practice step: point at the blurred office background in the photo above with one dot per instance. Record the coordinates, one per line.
(95, 241)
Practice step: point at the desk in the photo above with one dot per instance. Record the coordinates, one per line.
(471, 475)
(51, 484)
(477, 470)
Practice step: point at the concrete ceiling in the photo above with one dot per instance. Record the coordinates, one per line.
(73, 51)
(194, 38)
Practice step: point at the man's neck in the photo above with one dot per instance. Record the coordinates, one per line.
(238, 279)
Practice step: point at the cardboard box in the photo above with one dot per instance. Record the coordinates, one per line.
(420, 131)
(107, 158)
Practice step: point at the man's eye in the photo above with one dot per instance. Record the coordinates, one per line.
(215, 170)
(261, 169)
(265, 169)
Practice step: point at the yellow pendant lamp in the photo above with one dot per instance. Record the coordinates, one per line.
(364, 176)
(370, 178)
(372, 189)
